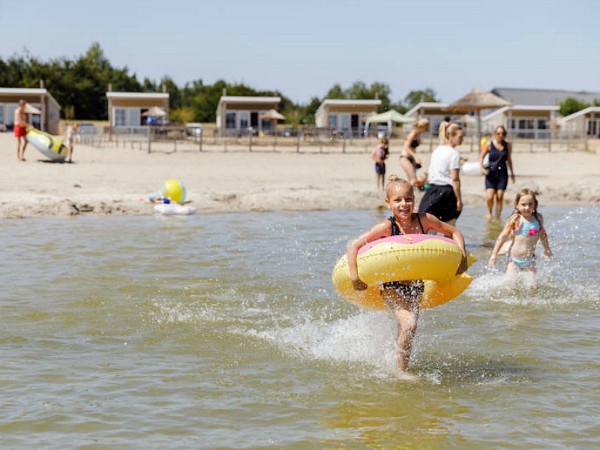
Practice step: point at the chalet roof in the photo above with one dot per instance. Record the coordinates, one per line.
(29, 91)
(248, 99)
(539, 97)
(441, 106)
(583, 112)
(133, 95)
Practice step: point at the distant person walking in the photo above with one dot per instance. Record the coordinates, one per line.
(20, 129)
(496, 175)
(443, 198)
(409, 161)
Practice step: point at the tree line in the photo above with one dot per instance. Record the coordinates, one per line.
(79, 85)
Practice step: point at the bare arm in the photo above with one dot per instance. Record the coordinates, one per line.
(544, 238)
(455, 176)
(382, 229)
(486, 150)
(500, 240)
(433, 223)
(509, 161)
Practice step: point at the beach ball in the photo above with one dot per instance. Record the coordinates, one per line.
(175, 190)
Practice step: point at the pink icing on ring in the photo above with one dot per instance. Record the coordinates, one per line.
(407, 239)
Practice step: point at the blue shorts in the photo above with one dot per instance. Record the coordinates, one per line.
(380, 168)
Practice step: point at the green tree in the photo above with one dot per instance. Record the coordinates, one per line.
(415, 97)
(336, 92)
(360, 91)
(571, 105)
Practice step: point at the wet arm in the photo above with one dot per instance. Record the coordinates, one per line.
(544, 239)
(380, 230)
(499, 241)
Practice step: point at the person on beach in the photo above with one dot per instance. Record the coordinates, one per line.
(496, 175)
(525, 227)
(402, 297)
(443, 199)
(20, 129)
(409, 161)
(380, 154)
(71, 137)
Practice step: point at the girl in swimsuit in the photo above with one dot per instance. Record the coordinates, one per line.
(403, 297)
(409, 161)
(525, 227)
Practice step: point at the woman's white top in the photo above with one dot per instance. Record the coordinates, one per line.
(443, 160)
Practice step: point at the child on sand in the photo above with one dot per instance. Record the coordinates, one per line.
(380, 154)
(402, 297)
(72, 136)
(525, 227)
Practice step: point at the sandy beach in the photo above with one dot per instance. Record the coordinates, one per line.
(114, 180)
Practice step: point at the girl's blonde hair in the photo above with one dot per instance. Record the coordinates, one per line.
(526, 191)
(394, 180)
(446, 130)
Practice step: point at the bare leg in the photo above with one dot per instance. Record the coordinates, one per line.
(409, 169)
(489, 199)
(407, 328)
(69, 158)
(406, 311)
(517, 277)
(499, 203)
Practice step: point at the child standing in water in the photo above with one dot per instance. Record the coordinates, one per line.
(402, 297)
(525, 227)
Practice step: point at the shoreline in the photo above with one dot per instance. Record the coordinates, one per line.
(111, 181)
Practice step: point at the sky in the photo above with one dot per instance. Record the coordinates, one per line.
(303, 48)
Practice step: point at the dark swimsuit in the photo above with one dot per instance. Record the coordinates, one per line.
(413, 144)
(408, 290)
(497, 174)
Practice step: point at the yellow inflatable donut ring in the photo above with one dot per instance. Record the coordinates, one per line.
(434, 259)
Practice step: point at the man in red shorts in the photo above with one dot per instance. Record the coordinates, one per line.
(20, 129)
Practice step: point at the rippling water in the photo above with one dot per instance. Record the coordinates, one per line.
(223, 330)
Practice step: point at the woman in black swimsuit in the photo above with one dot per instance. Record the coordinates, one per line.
(409, 161)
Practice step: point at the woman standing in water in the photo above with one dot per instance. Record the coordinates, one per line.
(496, 175)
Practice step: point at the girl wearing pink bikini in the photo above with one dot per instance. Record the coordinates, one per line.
(525, 227)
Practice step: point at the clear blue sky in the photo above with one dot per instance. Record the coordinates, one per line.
(302, 48)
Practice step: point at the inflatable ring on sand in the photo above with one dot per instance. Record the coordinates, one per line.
(174, 209)
(48, 145)
(433, 259)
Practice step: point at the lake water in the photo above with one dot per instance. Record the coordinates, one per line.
(223, 331)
